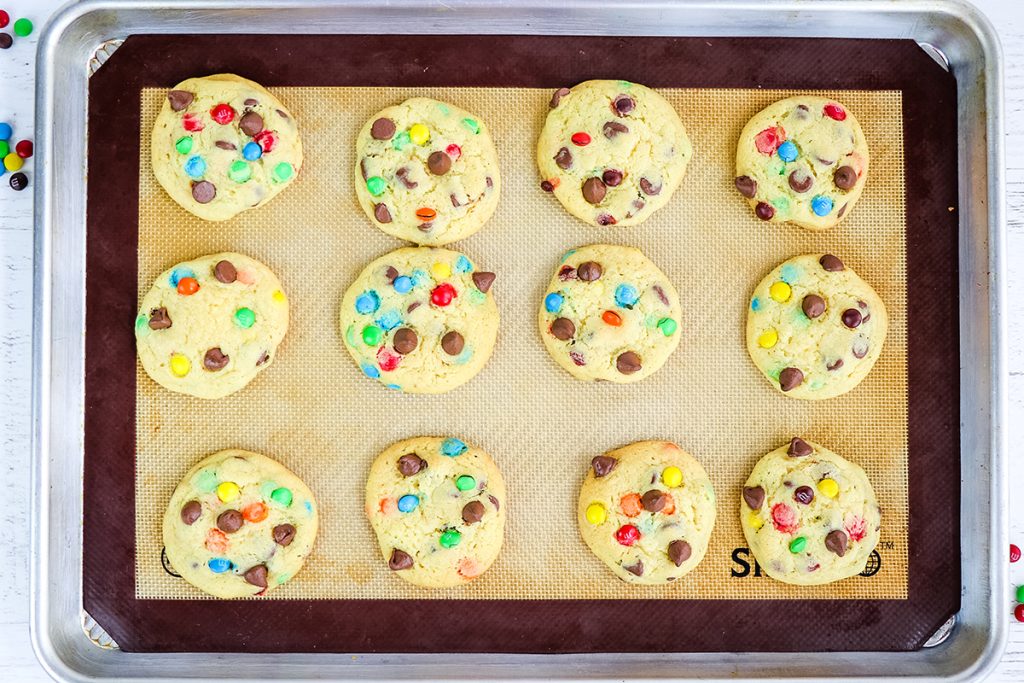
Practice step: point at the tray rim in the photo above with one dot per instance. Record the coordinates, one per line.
(956, 29)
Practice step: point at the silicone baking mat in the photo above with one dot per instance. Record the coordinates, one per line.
(315, 412)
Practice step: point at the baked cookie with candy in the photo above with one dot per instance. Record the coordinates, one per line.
(438, 508)
(809, 515)
(803, 160)
(239, 525)
(223, 144)
(647, 511)
(427, 171)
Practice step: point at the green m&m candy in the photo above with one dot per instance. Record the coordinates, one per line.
(245, 317)
(450, 538)
(376, 185)
(797, 545)
(401, 141)
(239, 171)
(283, 171)
(282, 496)
(465, 483)
(472, 125)
(22, 27)
(667, 326)
(183, 144)
(372, 335)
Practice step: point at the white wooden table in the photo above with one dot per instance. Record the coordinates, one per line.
(17, 76)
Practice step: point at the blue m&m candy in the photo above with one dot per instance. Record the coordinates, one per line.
(453, 447)
(408, 503)
(626, 295)
(219, 565)
(179, 274)
(390, 320)
(403, 284)
(367, 302)
(6, 131)
(788, 151)
(821, 205)
(463, 265)
(553, 302)
(371, 371)
(252, 151)
(195, 167)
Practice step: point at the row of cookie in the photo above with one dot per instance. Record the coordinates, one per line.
(240, 524)
(612, 152)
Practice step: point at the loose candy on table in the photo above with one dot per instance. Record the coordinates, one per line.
(1019, 594)
(24, 149)
(1018, 613)
(19, 181)
(22, 27)
(5, 19)
(1014, 553)
(6, 41)
(6, 131)
(12, 162)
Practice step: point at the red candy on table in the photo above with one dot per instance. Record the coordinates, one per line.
(580, 139)
(627, 534)
(24, 149)
(222, 114)
(187, 286)
(1018, 612)
(5, 19)
(1014, 553)
(834, 111)
(442, 295)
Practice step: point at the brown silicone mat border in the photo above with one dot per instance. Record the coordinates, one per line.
(930, 149)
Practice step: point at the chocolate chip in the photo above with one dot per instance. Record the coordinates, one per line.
(362, 168)
(263, 359)
(281, 114)
(230, 521)
(483, 280)
(489, 182)
(251, 123)
(764, 211)
(382, 129)
(747, 186)
(835, 365)
(547, 186)
(679, 551)
(831, 263)
(613, 128)
(494, 502)
(606, 219)
(654, 500)
(405, 341)
(802, 111)
(180, 99)
(563, 329)
(225, 272)
(661, 295)
(455, 200)
(637, 569)
(283, 534)
(215, 359)
(594, 190)
(564, 159)
(803, 494)
(800, 181)
(413, 306)
(257, 575)
(649, 188)
(588, 271)
(410, 464)
(439, 163)
(753, 496)
(224, 144)
(852, 318)
(567, 273)
(611, 177)
(204, 191)
(577, 358)
(250, 102)
(836, 542)
(557, 97)
(790, 378)
(190, 512)
(403, 175)
(381, 213)
(798, 448)
(845, 177)
(452, 343)
(627, 363)
(158, 319)
(390, 273)
(472, 512)
(859, 348)
(399, 560)
(813, 305)
(842, 210)
(623, 104)
(603, 465)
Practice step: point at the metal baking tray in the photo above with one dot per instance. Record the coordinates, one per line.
(954, 33)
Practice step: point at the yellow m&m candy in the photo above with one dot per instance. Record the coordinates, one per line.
(596, 514)
(227, 491)
(755, 520)
(440, 271)
(828, 487)
(672, 477)
(278, 296)
(180, 365)
(12, 162)
(780, 291)
(419, 134)
(768, 339)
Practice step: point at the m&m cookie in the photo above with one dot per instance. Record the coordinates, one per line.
(223, 144)
(239, 525)
(809, 515)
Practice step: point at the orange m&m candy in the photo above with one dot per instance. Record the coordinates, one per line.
(631, 504)
(426, 214)
(612, 318)
(256, 512)
(187, 286)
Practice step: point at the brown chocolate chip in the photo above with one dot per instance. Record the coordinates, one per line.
(845, 177)
(452, 343)
(158, 319)
(426, 227)
(439, 163)
(661, 295)
(180, 99)
(390, 273)
(798, 448)
(494, 502)
(623, 104)
(546, 186)
(612, 177)
(281, 114)
(637, 569)
(842, 210)
(557, 97)
(413, 306)
(836, 542)
(831, 263)
(753, 496)
(472, 512)
(489, 182)
(852, 318)
(283, 534)
(215, 359)
(627, 363)
(399, 560)
(204, 191)
(606, 219)
(679, 551)
(403, 175)
(747, 186)
(563, 329)
(382, 129)
(362, 168)
(588, 271)
(190, 512)
(764, 211)
(859, 348)
(230, 521)
(594, 190)
(800, 181)
(251, 102)
(564, 159)
(263, 359)
(381, 213)
(410, 464)
(813, 305)
(483, 280)
(790, 378)
(613, 128)
(225, 272)
(257, 575)
(835, 365)
(603, 465)
(251, 123)
(224, 144)
(654, 500)
(454, 200)
(803, 495)
(649, 188)
(405, 341)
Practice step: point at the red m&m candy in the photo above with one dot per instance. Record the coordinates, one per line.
(834, 111)
(387, 359)
(442, 295)
(24, 149)
(266, 139)
(769, 139)
(192, 123)
(222, 114)
(5, 19)
(454, 151)
(627, 534)
(1014, 553)
(1018, 613)
(580, 139)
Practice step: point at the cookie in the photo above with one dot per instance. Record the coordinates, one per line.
(209, 326)
(420, 319)
(802, 160)
(647, 510)
(814, 328)
(427, 171)
(223, 144)
(809, 515)
(438, 508)
(612, 152)
(239, 525)
(609, 313)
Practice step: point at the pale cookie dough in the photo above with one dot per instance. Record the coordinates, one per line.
(612, 152)
(609, 313)
(809, 515)
(239, 525)
(803, 160)
(420, 319)
(438, 508)
(222, 144)
(427, 172)
(814, 328)
(210, 325)
(647, 511)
